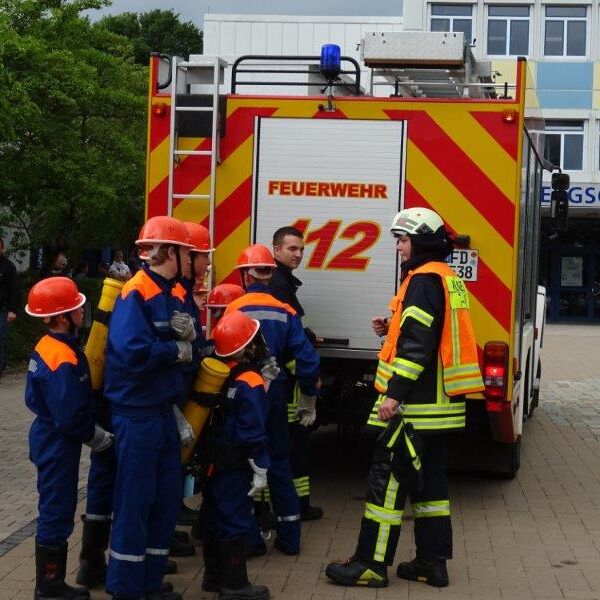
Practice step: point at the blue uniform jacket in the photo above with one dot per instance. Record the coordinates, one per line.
(246, 410)
(282, 329)
(141, 353)
(58, 390)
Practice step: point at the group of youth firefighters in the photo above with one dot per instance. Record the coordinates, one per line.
(156, 343)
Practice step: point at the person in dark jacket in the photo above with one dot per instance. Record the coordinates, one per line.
(427, 364)
(59, 393)
(288, 249)
(9, 300)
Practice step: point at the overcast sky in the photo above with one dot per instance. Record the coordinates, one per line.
(194, 10)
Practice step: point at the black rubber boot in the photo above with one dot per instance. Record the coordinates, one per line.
(234, 577)
(211, 580)
(187, 516)
(355, 572)
(432, 572)
(171, 567)
(179, 548)
(50, 569)
(308, 512)
(92, 562)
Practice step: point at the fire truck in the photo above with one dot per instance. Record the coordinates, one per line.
(303, 141)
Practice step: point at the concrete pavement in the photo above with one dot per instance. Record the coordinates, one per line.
(537, 536)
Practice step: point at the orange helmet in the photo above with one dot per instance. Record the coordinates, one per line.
(53, 296)
(256, 255)
(224, 294)
(164, 230)
(234, 332)
(200, 237)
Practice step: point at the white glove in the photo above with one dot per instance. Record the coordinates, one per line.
(186, 433)
(183, 326)
(306, 411)
(101, 440)
(259, 478)
(184, 352)
(270, 370)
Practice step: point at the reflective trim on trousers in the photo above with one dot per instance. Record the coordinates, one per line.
(302, 485)
(157, 551)
(434, 508)
(90, 517)
(127, 557)
(288, 518)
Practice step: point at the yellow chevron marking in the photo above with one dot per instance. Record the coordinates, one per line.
(460, 214)
(485, 325)
(479, 146)
(158, 164)
(229, 250)
(191, 210)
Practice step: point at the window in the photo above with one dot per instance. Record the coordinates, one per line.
(453, 17)
(565, 33)
(563, 144)
(508, 30)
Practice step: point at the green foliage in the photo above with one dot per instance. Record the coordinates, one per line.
(72, 126)
(156, 31)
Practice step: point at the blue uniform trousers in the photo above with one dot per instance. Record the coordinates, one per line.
(102, 474)
(56, 458)
(147, 500)
(226, 510)
(283, 495)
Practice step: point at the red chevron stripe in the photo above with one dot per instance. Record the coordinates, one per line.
(157, 200)
(460, 170)
(160, 128)
(506, 134)
(488, 289)
(195, 169)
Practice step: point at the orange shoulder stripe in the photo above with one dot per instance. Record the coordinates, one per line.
(259, 299)
(55, 353)
(179, 292)
(141, 283)
(252, 378)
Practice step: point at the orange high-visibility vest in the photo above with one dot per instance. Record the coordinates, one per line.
(458, 348)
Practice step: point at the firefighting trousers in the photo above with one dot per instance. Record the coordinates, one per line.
(299, 448)
(281, 488)
(226, 510)
(56, 458)
(102, 474)
(146, 502)
(384, 509)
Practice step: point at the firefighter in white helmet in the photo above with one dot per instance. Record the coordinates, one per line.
(427, 364)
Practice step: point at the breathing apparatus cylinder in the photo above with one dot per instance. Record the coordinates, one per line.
(96, 344)
(210, 379)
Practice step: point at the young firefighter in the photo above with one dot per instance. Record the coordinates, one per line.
(143, 380)
(220, 297)
(285, 337)
(427, 364)
(236, 440)
(58, 392)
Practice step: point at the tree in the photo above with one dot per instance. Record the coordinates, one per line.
(156, 31)
(72, 126)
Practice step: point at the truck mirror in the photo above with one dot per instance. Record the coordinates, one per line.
(559, 209)
(560, 181)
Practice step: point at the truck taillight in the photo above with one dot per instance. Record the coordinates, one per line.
(495, 370)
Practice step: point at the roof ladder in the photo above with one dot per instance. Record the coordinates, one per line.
(207, 72)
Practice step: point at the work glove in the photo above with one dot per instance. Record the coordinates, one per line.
(259, 478)
(101, 440)
(270, 370)
(186, 433)
(184, 352)
(182, 325)
(306, 411)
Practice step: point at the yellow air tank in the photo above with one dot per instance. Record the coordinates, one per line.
(210, 379)
(96, 344)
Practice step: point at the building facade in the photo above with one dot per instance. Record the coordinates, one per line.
(561, 42)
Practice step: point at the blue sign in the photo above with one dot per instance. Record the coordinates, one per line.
(579, 195)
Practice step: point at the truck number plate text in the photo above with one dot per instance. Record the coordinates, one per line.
(464, 262)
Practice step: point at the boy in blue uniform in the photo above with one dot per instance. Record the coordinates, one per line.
(59, 393)
(236, 440)
(143, 381)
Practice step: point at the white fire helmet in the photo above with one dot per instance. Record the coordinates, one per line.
(416, 221)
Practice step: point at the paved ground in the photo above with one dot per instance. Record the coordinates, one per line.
(537, 536)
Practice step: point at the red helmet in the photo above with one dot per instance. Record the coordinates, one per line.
(256, 255)
(234, 332)
(200, 237)
(164, 230)
(53, 296)
(224, 294)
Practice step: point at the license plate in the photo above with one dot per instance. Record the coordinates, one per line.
(464, 262)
